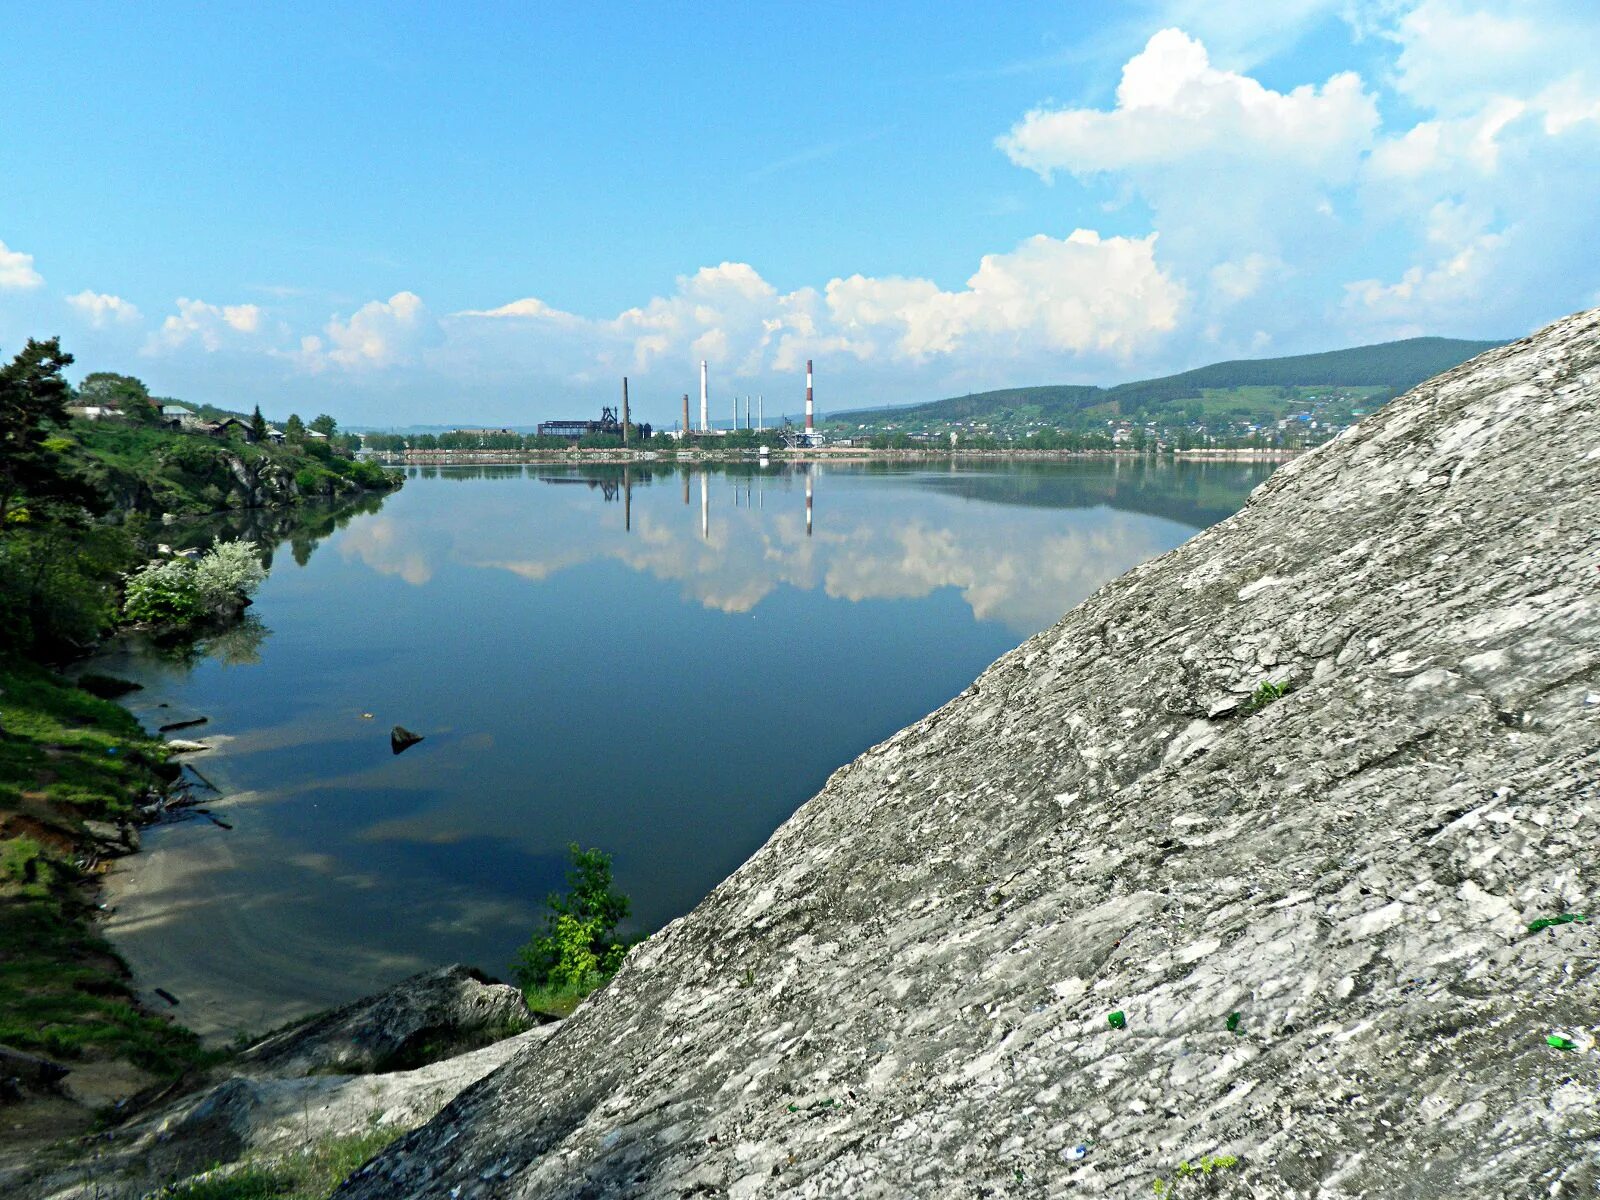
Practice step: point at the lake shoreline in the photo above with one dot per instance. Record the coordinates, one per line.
(823, 454)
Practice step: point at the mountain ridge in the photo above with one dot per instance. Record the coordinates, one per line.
(1397, 365)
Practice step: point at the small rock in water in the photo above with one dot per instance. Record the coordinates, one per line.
(401, 738)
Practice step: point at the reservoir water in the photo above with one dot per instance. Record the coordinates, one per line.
(662, 661)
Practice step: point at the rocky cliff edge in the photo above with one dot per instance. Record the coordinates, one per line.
(1311, 909)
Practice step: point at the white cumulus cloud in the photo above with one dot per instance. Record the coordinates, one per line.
(1082, 294)
(381, 333)
(1174, 106)
(100, 309)
(16, 269)
(212, 327)
(1496, 184)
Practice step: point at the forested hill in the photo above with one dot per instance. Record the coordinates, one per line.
(1393, 366)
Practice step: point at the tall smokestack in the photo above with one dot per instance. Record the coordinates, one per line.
(624, 410)
(686, 420)
(761, 416)
(809, 409)
(705, 397)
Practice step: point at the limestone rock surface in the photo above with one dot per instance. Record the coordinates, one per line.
(419, 1019)
(906, 991)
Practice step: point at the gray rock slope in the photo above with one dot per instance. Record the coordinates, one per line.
(906, 991)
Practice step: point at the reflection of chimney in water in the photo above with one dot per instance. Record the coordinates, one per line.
(808, 503)
(686, 487)
(705, 508)
(627, 501)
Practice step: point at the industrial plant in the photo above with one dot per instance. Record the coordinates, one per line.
(743, 418)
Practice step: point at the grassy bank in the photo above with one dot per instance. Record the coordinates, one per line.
(312, 1173)
(72, 769)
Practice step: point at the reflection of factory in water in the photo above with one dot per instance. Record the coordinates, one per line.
(748, 488)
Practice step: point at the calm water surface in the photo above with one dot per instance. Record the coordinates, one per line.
(661, 662)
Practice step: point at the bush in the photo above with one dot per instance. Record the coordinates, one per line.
(578, 949)
(181, 593)
(367, 474)
(164, 594)
(227, 573)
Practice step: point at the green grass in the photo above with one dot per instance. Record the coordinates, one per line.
(63, 990)
(310, 1175)
(1266, 693)
(557, 1001)
(1187, 1170)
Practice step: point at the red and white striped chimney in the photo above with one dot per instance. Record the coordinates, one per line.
(809, 408)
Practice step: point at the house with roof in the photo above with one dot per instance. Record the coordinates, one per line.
(176, 416)
(228, 427)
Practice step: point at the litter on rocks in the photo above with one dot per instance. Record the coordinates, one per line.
(1074, 1153)
(1563, 919)
(1233, 1022)
(1118, 1019)
(1561, 1043)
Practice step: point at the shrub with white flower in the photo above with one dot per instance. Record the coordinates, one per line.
(180, 592)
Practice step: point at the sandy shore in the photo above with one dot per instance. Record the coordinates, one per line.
(221, 918)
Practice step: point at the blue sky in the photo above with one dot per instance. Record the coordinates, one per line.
(413, 213)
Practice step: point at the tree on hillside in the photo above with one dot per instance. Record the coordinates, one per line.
(107, 389)
(33, 397)
(325, 425)
(294, 429)
(258, 425)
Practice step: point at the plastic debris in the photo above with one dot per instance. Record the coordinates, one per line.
(1118, 1019)
(1561, 1043)
(1074, 1153)
(1233, 1022)
(1563, 919)
(402, 739)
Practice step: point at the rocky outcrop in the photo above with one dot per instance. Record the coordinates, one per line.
(1310, 901)
(387, 1062)
(424, 1018)
(260, 1117)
